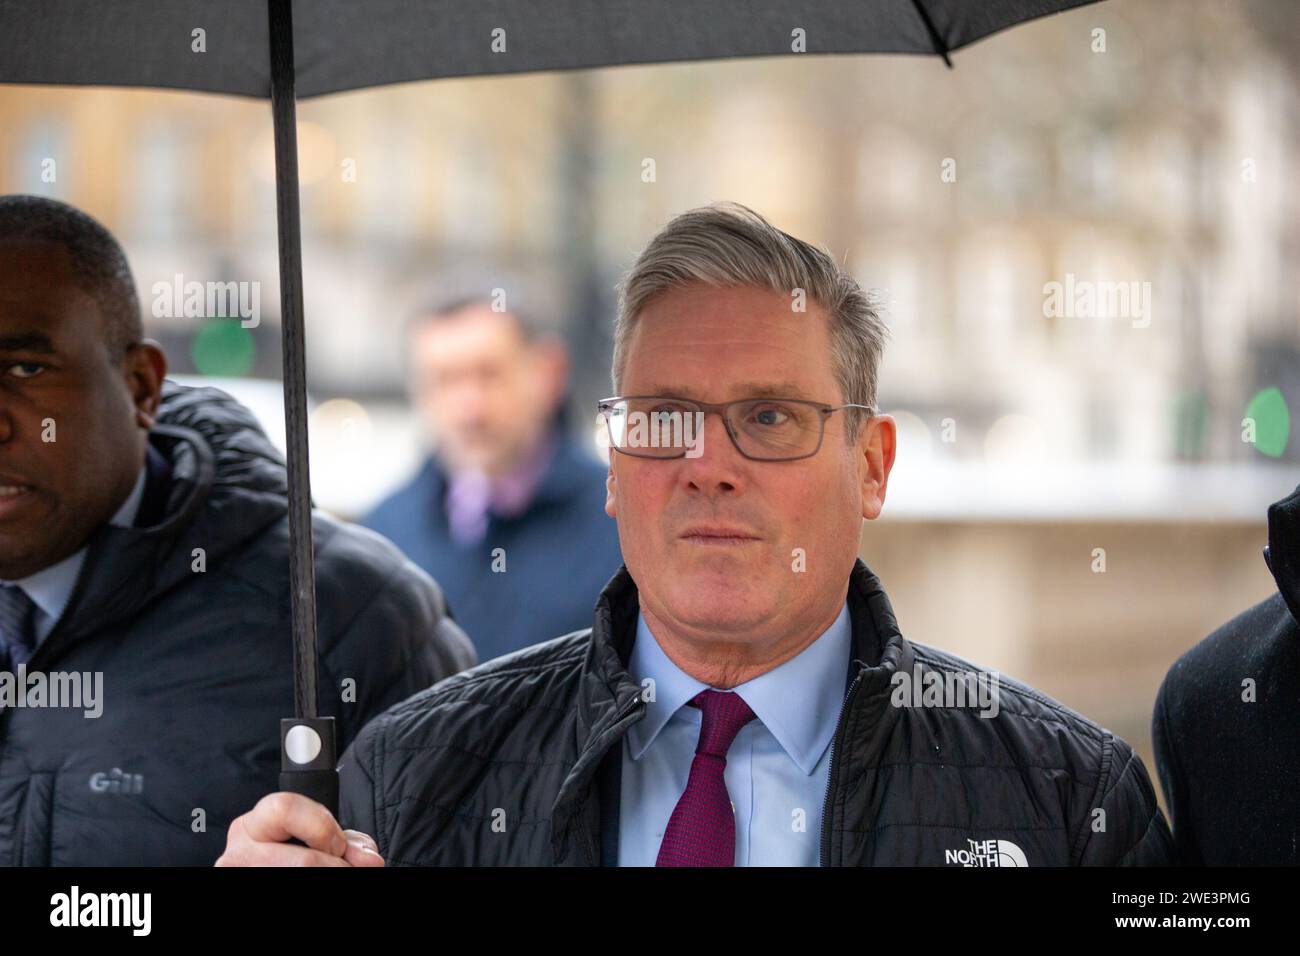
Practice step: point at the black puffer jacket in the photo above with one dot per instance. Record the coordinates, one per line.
(510, 763)
(197, 665)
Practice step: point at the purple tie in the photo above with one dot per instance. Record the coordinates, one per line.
(702, 829)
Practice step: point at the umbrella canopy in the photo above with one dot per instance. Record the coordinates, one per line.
(348, 44)
(284, 50)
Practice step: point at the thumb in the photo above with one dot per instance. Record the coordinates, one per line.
(361, 850)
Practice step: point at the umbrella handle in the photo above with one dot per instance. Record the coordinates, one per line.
(308, 758)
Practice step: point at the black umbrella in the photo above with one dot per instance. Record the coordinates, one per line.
(274, 48)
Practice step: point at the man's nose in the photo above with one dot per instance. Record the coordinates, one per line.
(464, 399)
(719, 466)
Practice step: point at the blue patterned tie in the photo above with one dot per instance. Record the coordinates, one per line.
(17, 627)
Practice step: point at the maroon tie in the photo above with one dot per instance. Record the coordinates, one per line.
(702, 829)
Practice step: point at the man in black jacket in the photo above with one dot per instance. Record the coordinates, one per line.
(1226, 725)
(745, 696)
(145, 658)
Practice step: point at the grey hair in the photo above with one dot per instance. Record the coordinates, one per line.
(727, 244)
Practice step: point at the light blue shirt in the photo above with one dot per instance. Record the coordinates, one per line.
(777, 768)
(51, 588)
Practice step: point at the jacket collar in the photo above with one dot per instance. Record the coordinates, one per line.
(1283, 552)
(609, 700)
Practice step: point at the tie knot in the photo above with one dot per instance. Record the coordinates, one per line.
(723, 713)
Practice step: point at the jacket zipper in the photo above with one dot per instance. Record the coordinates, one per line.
(590, 843)
(830, 776)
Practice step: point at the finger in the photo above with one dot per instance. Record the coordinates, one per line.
(362, 849)
(276, 854)
(360, 853)
(281, 855)
(356, 835)
(284, 816)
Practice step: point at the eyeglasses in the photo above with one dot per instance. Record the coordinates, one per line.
(762, 429)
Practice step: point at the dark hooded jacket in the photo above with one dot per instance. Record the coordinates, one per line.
(516, 762)
(1226, 725)
(186, 616)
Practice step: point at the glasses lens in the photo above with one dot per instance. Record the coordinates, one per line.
(653, 427)
(767, 428)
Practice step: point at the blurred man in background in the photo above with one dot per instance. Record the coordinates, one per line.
(508, 514)
(144, 559)
(1226, 726)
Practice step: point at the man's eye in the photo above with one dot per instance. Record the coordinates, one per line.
(26, 369)
(771, 415)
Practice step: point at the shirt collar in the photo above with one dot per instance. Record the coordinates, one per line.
(51, 588)
(798, 702)
(511, 493)
(507, 494)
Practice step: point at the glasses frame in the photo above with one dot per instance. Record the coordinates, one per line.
(603, 408)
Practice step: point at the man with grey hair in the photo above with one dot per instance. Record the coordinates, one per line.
(744, 696)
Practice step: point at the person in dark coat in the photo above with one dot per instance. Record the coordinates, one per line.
(1226, 725)
(744, 695)
(145, 652)
(508, 514)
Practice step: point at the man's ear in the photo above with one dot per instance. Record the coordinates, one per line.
(877, 443)
(611, 488)
(145, 367)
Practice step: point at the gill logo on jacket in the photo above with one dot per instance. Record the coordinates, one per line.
(987, 853)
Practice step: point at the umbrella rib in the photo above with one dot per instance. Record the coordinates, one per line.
(940, 47)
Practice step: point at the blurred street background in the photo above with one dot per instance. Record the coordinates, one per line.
(1078, 497)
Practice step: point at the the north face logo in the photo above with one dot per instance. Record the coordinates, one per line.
(987, 853)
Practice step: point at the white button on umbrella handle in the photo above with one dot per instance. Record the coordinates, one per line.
(308, 758)
(302, 744)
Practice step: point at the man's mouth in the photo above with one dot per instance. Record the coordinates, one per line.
(13, 497)
(718, 535)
